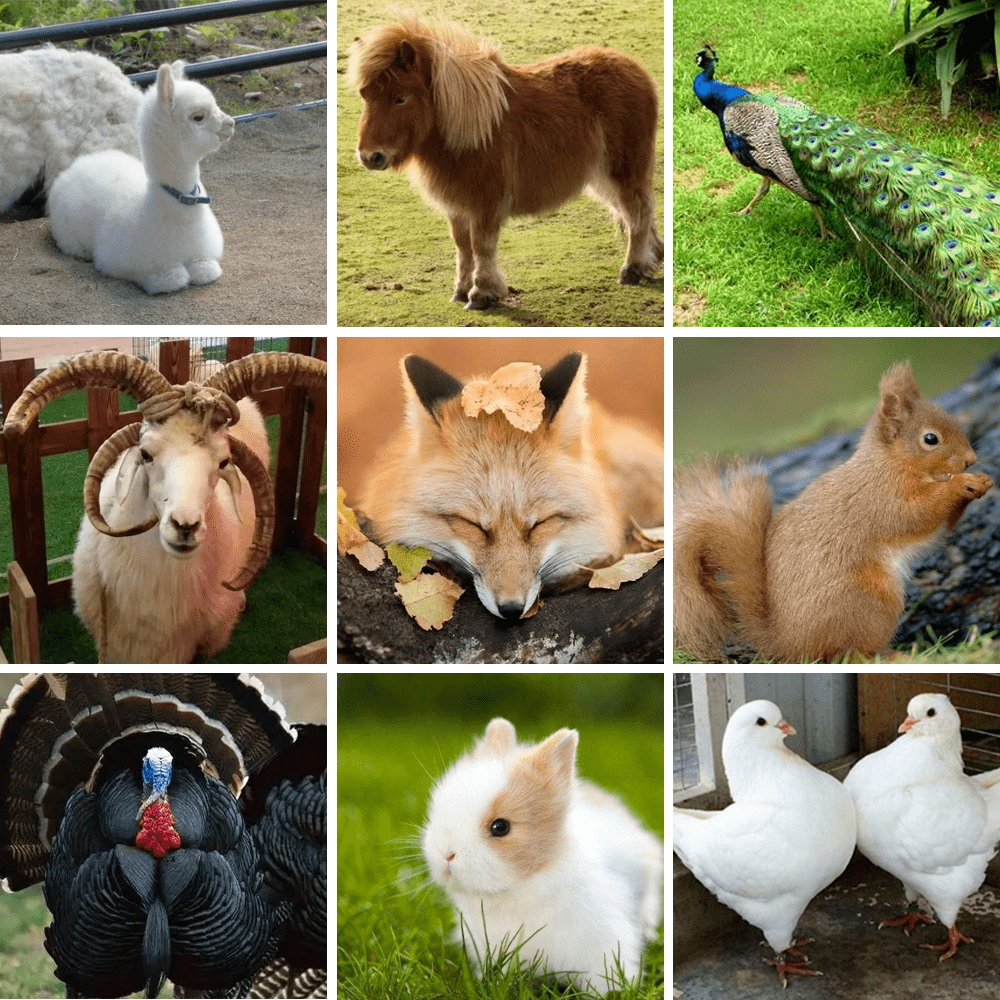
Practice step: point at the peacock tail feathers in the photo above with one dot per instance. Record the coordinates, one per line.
(925, 224)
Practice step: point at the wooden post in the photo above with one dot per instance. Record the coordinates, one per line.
(24, 482)
(23, 617)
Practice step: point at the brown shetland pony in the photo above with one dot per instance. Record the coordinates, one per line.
(486, 141)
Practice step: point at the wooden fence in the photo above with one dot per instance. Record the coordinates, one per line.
(297, 475)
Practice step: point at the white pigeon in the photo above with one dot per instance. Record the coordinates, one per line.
(923, 820)
(788, 834)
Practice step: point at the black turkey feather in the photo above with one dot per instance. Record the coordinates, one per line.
(119, 793)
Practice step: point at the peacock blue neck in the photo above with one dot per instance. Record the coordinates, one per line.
(714, 94)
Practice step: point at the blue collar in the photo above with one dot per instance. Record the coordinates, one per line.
(187, 199)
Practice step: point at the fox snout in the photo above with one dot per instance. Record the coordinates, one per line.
(507, 602)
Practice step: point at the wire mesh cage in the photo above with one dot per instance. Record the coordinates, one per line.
(208, 354)
(687, 771)
(976, 697)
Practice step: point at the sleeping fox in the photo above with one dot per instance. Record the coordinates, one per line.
(518, 511)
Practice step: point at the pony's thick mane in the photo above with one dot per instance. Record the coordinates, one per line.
(467, 77)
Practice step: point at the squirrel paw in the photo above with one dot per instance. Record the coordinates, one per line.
(977, 485)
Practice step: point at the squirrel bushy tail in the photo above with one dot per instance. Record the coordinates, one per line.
(721, 516)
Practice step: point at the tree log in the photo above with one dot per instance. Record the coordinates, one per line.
(580, 626)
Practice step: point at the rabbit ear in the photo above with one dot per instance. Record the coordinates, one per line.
(177, 69)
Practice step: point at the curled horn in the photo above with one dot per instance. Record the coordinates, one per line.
(104, 458)
(263, 499)
(238, 379)
(97, 370)
(257, 372)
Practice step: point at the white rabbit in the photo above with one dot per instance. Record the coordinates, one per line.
(149, 221)
(513, 835)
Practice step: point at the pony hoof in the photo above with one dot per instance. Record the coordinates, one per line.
(481, 303)
(630, 275)
(460, 297)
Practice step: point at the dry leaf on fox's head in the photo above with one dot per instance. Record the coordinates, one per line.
(514, 389)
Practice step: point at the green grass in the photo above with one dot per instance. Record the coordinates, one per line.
(396, 735)
(566, 263)
(26, 970)
(769, 268)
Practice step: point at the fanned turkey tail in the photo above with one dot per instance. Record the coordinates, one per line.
(119, 791)
(921, 223)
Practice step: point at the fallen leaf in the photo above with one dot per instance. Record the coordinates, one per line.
(368, 554)
(408, 561)
(627, 569)
(429, 599)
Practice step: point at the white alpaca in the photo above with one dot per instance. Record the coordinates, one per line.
(54, 107)
(149, 222)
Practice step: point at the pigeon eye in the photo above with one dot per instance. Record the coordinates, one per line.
(762, 721)
(499, 828)
(931, 712)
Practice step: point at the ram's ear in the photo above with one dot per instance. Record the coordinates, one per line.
(127, 471)
(231, 477)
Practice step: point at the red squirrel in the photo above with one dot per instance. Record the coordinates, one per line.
(826, 573)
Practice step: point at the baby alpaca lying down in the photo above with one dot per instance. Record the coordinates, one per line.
(149, 221)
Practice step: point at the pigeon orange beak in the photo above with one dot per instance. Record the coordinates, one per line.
(786, 728)
(907, 724)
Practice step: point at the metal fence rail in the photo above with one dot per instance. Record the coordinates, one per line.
(140, 22)
(245, 63)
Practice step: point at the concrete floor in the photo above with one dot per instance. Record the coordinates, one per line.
(858, 961)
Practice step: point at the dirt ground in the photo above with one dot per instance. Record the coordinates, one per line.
(268, 188)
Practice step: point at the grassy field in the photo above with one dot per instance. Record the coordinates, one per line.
(396, 735)
(769, 268)
(566, 264)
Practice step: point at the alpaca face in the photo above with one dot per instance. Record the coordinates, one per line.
(183, 114)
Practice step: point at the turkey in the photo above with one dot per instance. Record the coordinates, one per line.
(119, 792)
(286, 807)
(923, 223)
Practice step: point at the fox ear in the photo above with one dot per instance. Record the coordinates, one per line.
(557, 380)
(432, 385)
(566, 409)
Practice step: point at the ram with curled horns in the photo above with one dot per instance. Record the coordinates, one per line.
(171, 595)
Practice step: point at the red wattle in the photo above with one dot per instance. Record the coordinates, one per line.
(157, 834)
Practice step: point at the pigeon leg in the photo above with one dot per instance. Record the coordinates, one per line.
(908, 920)
(786, 968)
(950, 946)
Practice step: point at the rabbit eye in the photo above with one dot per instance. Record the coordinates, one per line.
(499, 828)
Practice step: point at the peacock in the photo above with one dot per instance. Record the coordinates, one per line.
(128, 796)
(917, 220)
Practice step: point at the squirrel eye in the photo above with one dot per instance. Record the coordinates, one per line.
(930, 439)
(499, 828)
